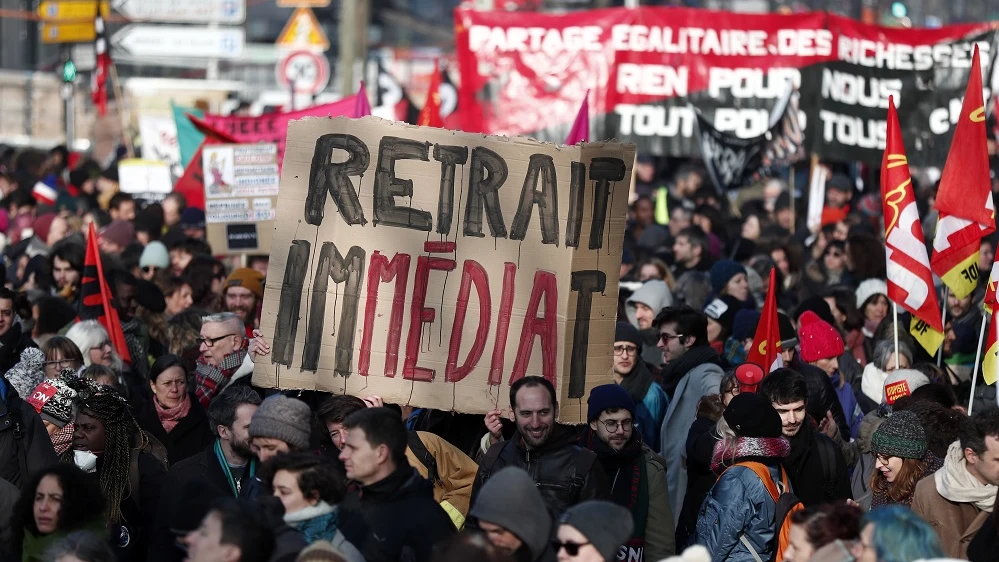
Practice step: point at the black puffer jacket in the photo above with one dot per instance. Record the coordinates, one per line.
(565, 473)
(25, 446)
(395, 519)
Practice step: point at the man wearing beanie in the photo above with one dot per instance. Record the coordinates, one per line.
(390, 513)
(53, 400)
(593, 530)
(631, 372)
(636, 473)
(899, 446)
(510, 511)
(737, 518)
(280, 425)
(641, 308)
(243, 291)
(815, 465)
(694, 369)
(821, 346)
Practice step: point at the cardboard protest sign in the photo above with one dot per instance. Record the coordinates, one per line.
(241, 187)
(435, 268)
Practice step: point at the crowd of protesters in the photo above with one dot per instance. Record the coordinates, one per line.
(161, 449)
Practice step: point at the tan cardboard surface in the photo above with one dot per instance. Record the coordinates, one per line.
(335, 346)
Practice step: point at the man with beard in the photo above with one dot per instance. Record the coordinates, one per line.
(66, 265)
(13, 340)
(966, 322)
(631, 372)
(637, 474)
(695, 368)
(224, 356)
(228, 466)
(565, 473)
(815, 467)
(642, 307)
(242, 292)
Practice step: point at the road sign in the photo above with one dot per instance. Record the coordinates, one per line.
(303, 3)
(303, 32)
(308, 71)
(194, 11)
(68, 32)
(180, 41)
(69, 10)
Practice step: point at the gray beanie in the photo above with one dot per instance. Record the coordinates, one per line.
(287, 419)
(901, 435)
(606, 525)
(511, 499)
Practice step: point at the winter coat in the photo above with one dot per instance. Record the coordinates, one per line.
(660, 541)
(189, 437)
(739, 504)
(454, 478)
(9, 539)
(139, 508)
(12, 344)
(984, 546)
(822, 395)
(863, 468)
(25, 446)
(566, 474)
(395, 519)
(203, 467)
(956, 523)
(872, 384)
(33, 546)
(847, 399)
(700, 478)
(817, 476)
(650, 403)
(319, 523)
(699, 374)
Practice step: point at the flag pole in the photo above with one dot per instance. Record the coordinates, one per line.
(897, 364)
(790, 187)
(978, 356)
(943, 322)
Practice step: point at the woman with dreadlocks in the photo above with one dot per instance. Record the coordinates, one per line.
(108, 441)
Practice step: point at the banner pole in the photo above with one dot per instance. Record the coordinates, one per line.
(978, 356)
(943, 322)
(895, 307)
(794, 201)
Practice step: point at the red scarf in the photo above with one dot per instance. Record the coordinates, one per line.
(170, 416)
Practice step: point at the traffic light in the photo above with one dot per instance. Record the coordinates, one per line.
(69, 71)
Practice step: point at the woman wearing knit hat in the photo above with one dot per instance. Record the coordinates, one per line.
(280, 425)
(729, 278)
(738, 513)
(821, 346)
(872, 302)
(721, 314)
(899, 446)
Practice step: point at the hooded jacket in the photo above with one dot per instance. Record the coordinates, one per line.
(510, 499)
(395, 519)
(564, 472)
(656, 295)
(699, 374)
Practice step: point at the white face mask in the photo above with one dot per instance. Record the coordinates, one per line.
(86, 460)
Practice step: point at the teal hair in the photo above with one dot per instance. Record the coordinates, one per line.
(901, 536)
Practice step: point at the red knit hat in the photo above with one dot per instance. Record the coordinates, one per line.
(819, 340)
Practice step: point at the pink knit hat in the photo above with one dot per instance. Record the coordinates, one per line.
(819, 340)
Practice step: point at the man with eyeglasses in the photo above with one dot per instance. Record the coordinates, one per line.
(695, 368)
(631, 372)
(636, 473)
(224, 356)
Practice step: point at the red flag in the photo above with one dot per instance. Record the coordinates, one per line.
(580, 131)
(910, 282)
(964, 199)
(95, 297)
(430, 115)
(766, 343)
(102, 68)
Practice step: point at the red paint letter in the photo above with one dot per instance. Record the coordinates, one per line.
(420, 314)
(471, 273)
(546, 327)
(380, 270)
(503, 324)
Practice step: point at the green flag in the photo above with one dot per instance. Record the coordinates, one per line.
(188, 136)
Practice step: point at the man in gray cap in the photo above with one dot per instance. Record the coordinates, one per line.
(593, 531)
(280, 425)
(510, 511)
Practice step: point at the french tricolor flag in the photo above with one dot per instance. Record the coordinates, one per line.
(45, 194)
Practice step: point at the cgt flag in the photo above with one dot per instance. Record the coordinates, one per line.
(964, 199)
(910, 282)
(95, 299)
(766, 343)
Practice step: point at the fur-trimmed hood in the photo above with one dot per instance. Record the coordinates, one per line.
(762, 449)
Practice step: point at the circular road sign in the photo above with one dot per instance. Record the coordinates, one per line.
(307, 71)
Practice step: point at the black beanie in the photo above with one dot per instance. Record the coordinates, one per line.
(627, 332)
(819, 306)
(788, 337)
(752, 415)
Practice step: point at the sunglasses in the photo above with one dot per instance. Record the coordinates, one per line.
(150, 269)
(571, 548)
